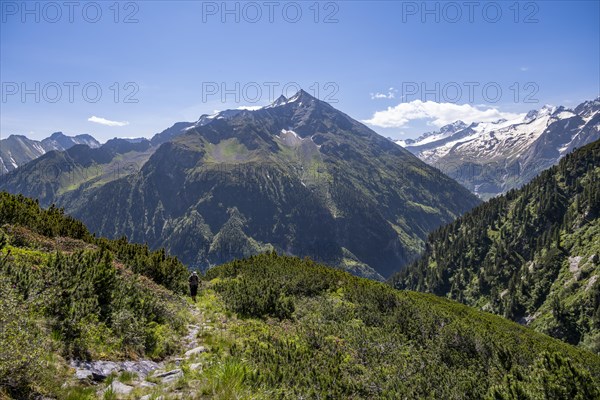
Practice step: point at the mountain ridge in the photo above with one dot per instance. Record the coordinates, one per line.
(17, 150)
(492, 158)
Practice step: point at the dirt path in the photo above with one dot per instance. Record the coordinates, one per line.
(146, 379)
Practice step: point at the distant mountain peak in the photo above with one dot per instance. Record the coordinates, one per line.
(17, 150)
(57, 135)
(301, 96)
(547, 109)
(281, 100)
(16, 136)
(444, 132)
(453, 127)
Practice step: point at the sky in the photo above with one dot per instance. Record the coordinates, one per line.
(134, 68)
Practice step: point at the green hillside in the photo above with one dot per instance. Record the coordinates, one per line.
(531, 255)
(66, 294)
(267, 326)
(307, 331)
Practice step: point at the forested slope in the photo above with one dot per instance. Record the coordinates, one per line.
(531, 255)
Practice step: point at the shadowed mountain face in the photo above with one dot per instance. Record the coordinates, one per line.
(298, 176)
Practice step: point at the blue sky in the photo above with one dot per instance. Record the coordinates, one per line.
(387, 63)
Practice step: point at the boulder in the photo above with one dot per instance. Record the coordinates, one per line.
(83, 374)
(100, 370)
(196, 366)
(169, 376)
(195, 351)
(118, 388)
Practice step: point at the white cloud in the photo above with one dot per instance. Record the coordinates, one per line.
(436, 114)
(250, 108)
(389, 95)
(107, 122)
(524, 69)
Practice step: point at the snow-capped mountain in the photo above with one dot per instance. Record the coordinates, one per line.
(430, 137)
(228, 114)
(60, 141)
(493, 157)
(17, 150)
(180, 128)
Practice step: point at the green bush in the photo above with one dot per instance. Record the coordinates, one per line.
(348, 337)
(551, 377)
(93, 308)
(25, 366)
(160, 340)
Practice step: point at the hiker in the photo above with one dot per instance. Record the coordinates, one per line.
(194, 281)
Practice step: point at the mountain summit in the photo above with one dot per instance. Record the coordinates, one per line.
(280, 101)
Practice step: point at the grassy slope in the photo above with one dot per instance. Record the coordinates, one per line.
(281, 327)
(299, 328)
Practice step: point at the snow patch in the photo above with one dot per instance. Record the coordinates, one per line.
(564, 115)
(39, 148)
(12, 161)
(284, 131)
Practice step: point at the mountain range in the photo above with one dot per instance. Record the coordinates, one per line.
(17, 150)
(297, 176)
(301, 178)
(490, 158)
